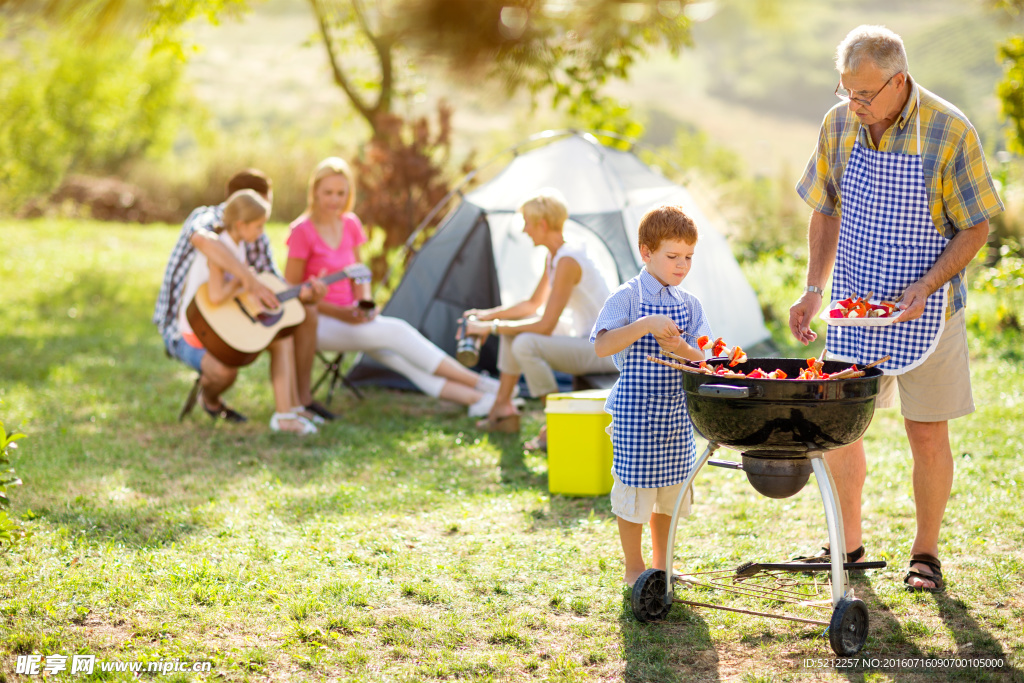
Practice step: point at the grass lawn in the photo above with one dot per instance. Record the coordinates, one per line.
(398, 543)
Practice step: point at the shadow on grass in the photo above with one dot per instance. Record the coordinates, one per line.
(888, 638)
(974, 641)
(154, 483)
(678, 648)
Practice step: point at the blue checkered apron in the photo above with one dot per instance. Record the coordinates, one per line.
(887, 241)
(652, 438)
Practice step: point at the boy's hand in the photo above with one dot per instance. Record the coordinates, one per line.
(663, 328)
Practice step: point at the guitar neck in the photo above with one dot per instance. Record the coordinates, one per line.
(292, 292)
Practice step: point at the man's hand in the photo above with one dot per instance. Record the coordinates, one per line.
(261, 292)
(800, 315)
(912, 302)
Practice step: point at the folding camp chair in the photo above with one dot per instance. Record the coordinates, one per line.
(190, 400)
(333, 375)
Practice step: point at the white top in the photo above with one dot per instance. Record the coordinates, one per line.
(199, 272)
(587, 297)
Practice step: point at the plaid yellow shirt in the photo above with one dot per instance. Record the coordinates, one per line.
(960, 188)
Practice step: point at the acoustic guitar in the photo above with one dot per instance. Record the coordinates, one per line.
(238, 330)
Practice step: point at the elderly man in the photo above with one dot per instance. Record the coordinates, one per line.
(901, 198)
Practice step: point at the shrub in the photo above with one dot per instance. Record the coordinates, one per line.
(9, 529)
(69, 109)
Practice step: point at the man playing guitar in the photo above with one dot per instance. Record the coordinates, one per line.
(198, 234)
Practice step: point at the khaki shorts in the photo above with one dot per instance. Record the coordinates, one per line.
(940, 388)
(636, 505)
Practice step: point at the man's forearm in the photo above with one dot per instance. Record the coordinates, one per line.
(958, 253)
(217, 253)
(822, 243)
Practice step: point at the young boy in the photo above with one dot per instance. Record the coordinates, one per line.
(652, 438)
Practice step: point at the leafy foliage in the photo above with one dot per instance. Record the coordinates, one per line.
(70, 109)
(1005, 281)
(9, 530)
(400, 177)
(1011, 89)
(566, 50)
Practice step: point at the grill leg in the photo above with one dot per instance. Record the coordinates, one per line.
(834, 520)
(670, 550)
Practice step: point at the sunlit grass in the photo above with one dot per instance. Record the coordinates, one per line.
(400, 544)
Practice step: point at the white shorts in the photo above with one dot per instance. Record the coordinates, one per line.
(636, 505)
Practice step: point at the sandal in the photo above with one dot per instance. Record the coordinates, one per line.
(506, 424)
(935, 576)
(305, 426)
(222, 413)
(311, 415)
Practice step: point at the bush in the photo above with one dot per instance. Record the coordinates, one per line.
(69, 109)
(9, 529)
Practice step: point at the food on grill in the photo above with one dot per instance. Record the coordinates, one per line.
(813, 371)
(861, 307)
(720, 348)
(737, 356)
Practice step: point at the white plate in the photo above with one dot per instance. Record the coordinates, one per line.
(857, 322)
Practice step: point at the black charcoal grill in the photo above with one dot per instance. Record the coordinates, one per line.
(782, 428)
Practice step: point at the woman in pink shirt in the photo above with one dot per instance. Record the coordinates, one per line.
(325, 239)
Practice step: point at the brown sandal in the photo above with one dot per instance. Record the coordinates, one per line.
(935, 577)
(505, 424)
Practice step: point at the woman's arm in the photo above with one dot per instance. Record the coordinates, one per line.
(517, 311)
(567, 275)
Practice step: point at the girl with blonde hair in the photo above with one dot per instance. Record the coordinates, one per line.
(245, 214)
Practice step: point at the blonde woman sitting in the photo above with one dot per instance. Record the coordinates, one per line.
(571, 291)
(325, 239)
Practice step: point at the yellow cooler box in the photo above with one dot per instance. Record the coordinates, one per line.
(579, 448)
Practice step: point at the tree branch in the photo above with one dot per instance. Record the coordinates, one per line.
(340, 78)
(382, 47)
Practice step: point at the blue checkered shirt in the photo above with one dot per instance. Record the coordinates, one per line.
(623, 308)
(168, 301)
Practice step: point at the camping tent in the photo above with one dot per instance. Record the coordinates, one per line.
(479, 256)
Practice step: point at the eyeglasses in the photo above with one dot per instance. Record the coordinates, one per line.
(846, 96)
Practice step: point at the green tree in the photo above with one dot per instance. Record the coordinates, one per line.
(566, 51)
(68, 109)
(1010, 89)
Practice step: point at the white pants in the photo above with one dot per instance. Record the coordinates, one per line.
(391, 342)
(537, 356)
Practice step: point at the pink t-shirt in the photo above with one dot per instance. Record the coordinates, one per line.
(305, 243)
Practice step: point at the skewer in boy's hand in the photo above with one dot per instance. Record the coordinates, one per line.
(663, 328)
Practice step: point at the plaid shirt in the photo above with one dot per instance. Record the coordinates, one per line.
(168, 301)
(961, 193)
